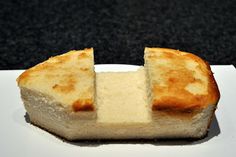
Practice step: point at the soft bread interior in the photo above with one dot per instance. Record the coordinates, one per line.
(121, 97)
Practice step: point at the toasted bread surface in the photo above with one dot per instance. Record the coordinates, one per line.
(179, 81)
(67, 78)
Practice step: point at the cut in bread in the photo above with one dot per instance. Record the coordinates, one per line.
(121, 97)
(173, 96)
(181, 86)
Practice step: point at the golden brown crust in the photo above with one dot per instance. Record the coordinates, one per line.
(52, 65)
(83, 105)
(66, 85)
(44, 66)
(66, 78)
(213, 90)
(173, 96)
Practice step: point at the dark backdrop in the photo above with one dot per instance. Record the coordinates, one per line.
(33, 30)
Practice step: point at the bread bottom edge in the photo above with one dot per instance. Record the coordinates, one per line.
(137, 139)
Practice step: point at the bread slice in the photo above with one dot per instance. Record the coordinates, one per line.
(174, 96)
(59, 92)
(182, 92)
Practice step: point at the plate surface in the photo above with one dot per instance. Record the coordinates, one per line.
(20, 138)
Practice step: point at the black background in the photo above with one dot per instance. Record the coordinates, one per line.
(33, 30)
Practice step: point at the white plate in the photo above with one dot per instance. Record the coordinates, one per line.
(20, 138)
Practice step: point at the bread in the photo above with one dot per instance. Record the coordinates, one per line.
(182, 91)
(121, 97)
(75, 104)
(60, 91)
(68, 78)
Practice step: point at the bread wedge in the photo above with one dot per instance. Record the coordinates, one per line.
(173, 96)
(182, 92)
(59, 93)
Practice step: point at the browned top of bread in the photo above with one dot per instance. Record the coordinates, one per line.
(67, 78)
(179, 81)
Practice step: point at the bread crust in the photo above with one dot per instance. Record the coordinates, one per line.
(68, 78)
(176, 98)
(83, 105)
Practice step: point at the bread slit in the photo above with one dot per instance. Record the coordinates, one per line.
(121, 97)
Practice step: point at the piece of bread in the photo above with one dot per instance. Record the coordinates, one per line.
(59, 95)
(60, 92)
(182, 92)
